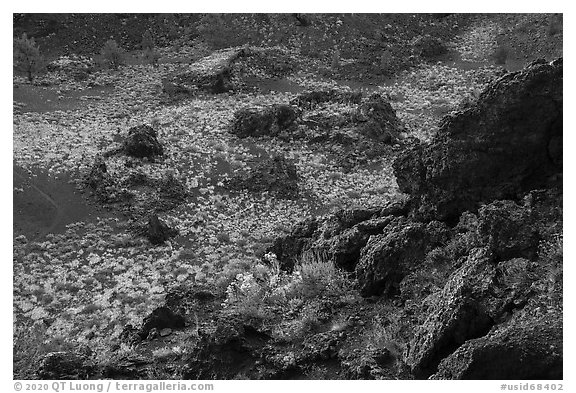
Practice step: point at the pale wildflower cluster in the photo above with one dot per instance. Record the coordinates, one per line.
(244, 288)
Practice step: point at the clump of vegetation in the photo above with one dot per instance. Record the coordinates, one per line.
(429, 47)
(149, 53)
(27, 57)
(112, 55)
(386, 61)
(265, 287)
(147, 41)
(335, 59)
(320, 277)
(385, 333)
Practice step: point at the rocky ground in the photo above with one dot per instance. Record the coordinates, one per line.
(273, 210)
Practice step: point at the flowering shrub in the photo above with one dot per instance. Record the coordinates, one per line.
(244, 288)
(252, 293)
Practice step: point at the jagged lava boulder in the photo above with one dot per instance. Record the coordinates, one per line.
(388, 257)
(142, 141)
(65, 365)
(377, 120)
(524, 348)
(157, 231)
(276, 175)
(481, 294)
(258, 122)
(161, 318)
(339, 237)
(507, 143)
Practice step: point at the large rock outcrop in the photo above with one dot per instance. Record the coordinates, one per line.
(507, 143)
(479, 295)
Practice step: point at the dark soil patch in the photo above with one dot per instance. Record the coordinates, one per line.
(47, 99)
(46, 204)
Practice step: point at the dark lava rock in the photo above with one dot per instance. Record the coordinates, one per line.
(389, 256)
(506, 228)
(104, 186)
(157, 231)
(311, 99)
(161, 318)
(275, 175)
(98, 174)
(339, 238)
(524, 348)
(288, 249)
(507, 143)
(377, 120)
(258, 122)
(229, 352)
(346, 218)
(479, 295)
(172, 188)
(142, 141)
(130, 335)
(344, 248)
(514, 230)
(64, 365)
(129, 366)
(210, 74)
(455, 316)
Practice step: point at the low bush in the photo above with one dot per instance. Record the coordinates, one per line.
(428, 47)
(151, 56)
(147, 41)
(112, 55)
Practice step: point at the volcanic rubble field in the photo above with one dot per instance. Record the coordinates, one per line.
(258, 212)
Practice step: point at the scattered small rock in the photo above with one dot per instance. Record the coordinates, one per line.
(157, 231)
(165, 332)
(142, 141)
(161, 318)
